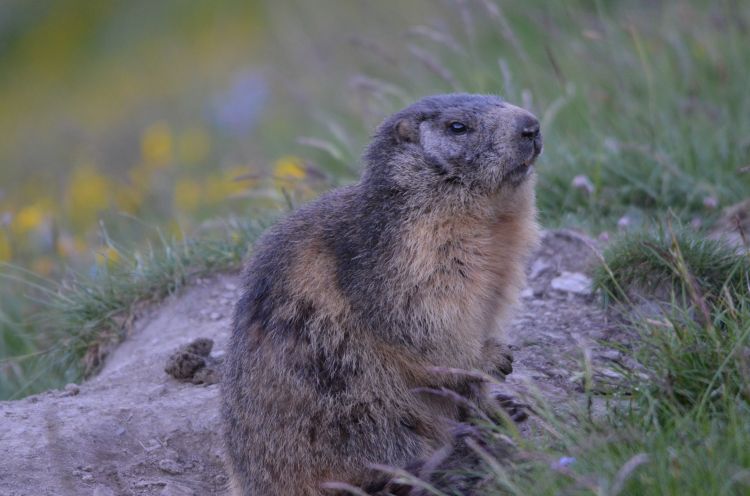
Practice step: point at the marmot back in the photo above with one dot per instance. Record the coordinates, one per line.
(350, 302)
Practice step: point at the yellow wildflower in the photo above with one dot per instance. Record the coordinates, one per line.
(156, 144)
(28, 219)
(289, 167)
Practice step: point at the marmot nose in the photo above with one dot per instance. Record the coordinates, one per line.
(529, 126)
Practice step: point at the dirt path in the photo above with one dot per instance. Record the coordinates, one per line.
(135, 430)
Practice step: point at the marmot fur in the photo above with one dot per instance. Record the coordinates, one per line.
(350, 302)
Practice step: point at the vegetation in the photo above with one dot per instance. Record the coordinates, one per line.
(139, 114)
(667, 264)
(84, 316)
(679, 423)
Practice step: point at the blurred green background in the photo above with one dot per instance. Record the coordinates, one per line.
(122, 122)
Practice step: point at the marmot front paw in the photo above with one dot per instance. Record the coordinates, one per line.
(517, 411)
(499, 359)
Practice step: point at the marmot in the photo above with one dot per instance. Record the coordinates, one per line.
(350, 302)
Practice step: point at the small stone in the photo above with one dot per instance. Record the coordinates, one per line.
(71, 390)
(230, 286)
(583, 183)
(607, 372)
(87, 477)
(563, 462)
(538, 268)
(171, 467)
(611, 354)
(214, 316)
(172, 489)
(527, 293)
(572, 282)
(145, 483)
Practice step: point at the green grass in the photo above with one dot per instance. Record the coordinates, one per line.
(86, 314)
(664, 264)
(645, 99)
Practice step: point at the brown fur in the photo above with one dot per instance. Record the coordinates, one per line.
(351, 302)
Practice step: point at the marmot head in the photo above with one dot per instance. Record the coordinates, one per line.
(455, 142)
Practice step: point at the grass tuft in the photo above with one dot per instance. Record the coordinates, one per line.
(84, 316)
(664, 263)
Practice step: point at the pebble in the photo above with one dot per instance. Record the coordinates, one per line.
(145, 483)
(71, 389)
(539, 267)
(214, 316)
(171, 467)
(563, 462)
(172, 489)
(611, 354)
(572, 282)
(607, 372)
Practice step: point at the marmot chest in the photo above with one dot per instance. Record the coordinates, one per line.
(457, 272)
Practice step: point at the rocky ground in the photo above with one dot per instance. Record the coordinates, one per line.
(135, 430)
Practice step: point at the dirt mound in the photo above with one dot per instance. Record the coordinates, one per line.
(134, 429)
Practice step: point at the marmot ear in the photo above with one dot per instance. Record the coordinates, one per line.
(406, 131)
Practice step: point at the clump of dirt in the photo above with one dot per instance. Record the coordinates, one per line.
(193, 363)
(136, 430)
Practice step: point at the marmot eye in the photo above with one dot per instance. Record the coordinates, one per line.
(457, 127)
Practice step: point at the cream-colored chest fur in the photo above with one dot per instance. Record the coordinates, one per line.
(460, 274)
